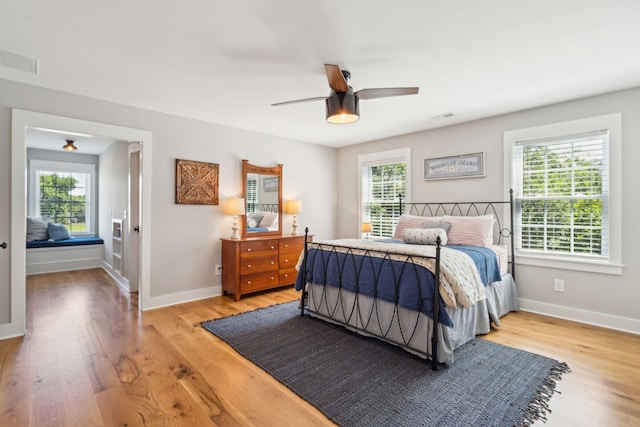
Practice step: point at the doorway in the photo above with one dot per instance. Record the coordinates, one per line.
(23, 120)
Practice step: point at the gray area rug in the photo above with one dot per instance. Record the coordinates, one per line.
(360, 381)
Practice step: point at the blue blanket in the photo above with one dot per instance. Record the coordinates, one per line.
(256, 229)
(412, 284)
(485, 260)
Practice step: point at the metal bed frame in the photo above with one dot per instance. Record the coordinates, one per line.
(501, 233)
(263, 207)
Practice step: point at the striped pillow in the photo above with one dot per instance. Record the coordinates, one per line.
(37, 229)
(471, 230)
(412, 221)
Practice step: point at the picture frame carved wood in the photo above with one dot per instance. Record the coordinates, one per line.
(196, 182)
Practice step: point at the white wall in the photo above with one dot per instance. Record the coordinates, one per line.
(185, 239)
(596, 298)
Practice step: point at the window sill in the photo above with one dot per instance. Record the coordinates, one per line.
(602, 267)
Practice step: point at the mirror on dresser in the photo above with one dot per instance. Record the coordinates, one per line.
(262, 192)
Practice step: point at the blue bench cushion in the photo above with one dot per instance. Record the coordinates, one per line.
(75, 241)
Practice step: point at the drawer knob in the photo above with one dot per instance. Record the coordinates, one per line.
(286, 275)
(272, 262)
(286, 260)
(272, 277)
(248, 282)
(248, 265)
(249, 250)
(286, 246)
(272, 247)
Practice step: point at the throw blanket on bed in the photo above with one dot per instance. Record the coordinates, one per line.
(460, 282)
(485, 260)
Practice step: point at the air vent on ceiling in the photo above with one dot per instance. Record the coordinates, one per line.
(18, 62)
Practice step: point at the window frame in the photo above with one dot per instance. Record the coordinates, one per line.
(379, 159)
(252, 196)
(66, 167)
(611, 122)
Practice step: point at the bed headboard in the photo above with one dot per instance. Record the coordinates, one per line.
(262, 207)
(503, 211)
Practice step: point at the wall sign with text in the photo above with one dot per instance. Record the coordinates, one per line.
(463, 166)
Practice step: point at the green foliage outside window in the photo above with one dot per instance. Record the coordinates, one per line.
(63, 199)
(384, 186)
(562, 197)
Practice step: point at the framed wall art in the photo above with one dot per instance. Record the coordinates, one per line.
(196, 182)
(462, 166)
(270, 184)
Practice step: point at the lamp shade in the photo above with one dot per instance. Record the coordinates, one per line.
(235, 206)
(366, 227)
(342, 107)
(293, 207)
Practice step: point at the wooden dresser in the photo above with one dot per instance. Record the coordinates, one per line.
(259, 263)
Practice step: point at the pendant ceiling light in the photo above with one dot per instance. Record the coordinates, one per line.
(342, 107)
(69, 146)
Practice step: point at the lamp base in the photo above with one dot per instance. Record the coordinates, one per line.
(294, 227)
(234, 228)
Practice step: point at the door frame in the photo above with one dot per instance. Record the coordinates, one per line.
(134, 160)
(21, 120)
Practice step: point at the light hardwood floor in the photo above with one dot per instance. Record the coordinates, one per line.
(90, 358)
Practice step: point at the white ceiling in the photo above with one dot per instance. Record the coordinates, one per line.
(226, 62)
(54, 140)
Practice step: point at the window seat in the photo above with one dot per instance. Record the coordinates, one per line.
(76, 241)
(48, 256)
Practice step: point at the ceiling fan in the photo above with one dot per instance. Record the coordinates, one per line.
(342, 102)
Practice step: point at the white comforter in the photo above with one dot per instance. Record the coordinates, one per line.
(460, 283)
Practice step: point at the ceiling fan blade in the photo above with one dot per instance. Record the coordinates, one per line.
(386, 92)
(317, 98)
(336, 79)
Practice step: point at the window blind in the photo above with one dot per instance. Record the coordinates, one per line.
(383, 182)
(562, 194)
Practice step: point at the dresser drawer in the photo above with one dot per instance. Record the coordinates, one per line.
(288, 276)
(258, 248)
(259, 281)
(257, 264)
(292, 244)
(289, 260)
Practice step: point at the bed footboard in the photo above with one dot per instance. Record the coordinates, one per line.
(347, 285)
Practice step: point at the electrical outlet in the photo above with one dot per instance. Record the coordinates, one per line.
(558, 285)
(218, 270)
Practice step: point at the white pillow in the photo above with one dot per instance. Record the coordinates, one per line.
(424, 236)
(412, 221)
(37, 228)
(269, 220)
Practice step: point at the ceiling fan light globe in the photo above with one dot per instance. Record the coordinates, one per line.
(342, 107)
(342, 119)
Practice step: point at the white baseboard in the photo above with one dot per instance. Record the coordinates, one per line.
(8, 330)
(182, 297)
(610, 321)
(123, 282)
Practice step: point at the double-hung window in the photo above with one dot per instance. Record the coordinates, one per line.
(63, 193)
(383, 182)
(562, 181)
